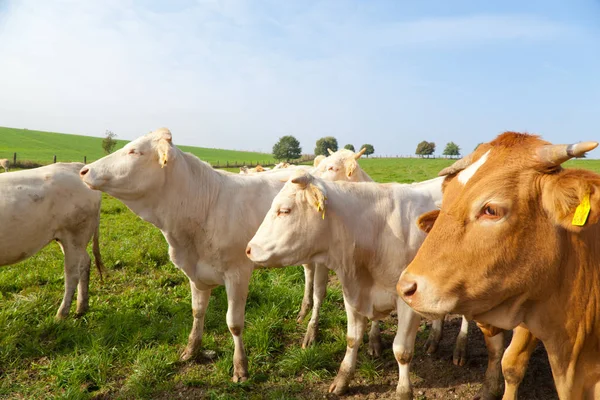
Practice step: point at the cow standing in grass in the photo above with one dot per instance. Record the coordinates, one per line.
(342, 165)
(515, 245)
(207, 218)
(50, 203)
(366, 233)
(4, 163)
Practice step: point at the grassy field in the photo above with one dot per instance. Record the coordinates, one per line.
(42, 146)
(128, 345)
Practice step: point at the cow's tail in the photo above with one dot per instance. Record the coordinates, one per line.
(96, 249)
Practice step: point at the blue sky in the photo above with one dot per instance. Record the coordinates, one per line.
(240, 74)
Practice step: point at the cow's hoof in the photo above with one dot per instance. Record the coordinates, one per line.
(339, 385)
(60, 316)
(375, 346)
(403, 393)
(431, 345)
(460, 355)
(303, 312)
(311, 335)
(239, 378)
(187, 355)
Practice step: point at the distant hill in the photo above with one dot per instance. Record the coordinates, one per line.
(41, 147)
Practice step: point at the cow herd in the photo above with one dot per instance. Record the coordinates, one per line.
(505, 237)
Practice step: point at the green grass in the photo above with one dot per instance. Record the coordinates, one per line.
(127, 346)
(41, 147)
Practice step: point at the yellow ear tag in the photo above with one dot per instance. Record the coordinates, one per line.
(321, 207)
(582, 211)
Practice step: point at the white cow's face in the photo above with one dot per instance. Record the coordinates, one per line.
(294, 230)
(133, 171)
(339, 166)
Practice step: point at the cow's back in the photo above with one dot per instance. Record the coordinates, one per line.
(39, 205)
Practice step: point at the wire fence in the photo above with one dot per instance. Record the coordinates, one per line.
(17, 162)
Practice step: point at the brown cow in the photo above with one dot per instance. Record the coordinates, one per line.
(516, 244)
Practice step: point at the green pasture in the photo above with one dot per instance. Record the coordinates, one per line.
(41, 147)
(127, 346)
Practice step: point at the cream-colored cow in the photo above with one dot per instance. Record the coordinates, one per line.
(4, 163)
(50, 203)
(207, 218)
(366, 233)
(342, 165)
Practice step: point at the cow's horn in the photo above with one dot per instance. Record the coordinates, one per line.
(360, 153)
(457, 166)
(330, 151)
(556, 154)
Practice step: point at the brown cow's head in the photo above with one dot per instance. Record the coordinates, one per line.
(498, 238)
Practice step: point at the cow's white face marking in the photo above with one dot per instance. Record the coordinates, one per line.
(467, 173)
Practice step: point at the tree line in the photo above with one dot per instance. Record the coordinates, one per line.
(288, 147)
(426, 148)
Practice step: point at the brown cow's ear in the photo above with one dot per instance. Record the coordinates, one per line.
(426, 221)
(572, 198)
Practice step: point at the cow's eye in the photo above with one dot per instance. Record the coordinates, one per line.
(489, 210)
(283, 211)
(132, 151)
(492, 212)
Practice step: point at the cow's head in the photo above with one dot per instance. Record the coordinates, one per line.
(497, 241)
(294, 230)
(134, 170)
(340, 165)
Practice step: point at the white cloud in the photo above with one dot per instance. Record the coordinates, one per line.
(220, 73)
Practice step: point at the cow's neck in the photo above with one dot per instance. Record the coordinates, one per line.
(189, 189)
(357, 219)
(568, 321)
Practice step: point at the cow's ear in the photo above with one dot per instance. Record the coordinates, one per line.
(165, 152)
(351, 166)
(426, 221)
(572, 198)
(302, 179)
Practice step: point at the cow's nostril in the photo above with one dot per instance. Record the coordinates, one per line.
(409, 288)
(84, 171)
(248, 251)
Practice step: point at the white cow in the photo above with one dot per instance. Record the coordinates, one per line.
(204, 215)
(4, 163)
(339, 166)
(342, 165)
(252, 171)
(366, 233)
(50, 203)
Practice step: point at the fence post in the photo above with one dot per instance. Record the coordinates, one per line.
(227, 163)
(54, 162)
(85, 159)
(15, 159)
(217, 163)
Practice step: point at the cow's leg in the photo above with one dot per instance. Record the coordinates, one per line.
(200, 298)
(515, 360)
(237, 293)
(84, 283)
(356, 328)
(433, 340)
(321, 276)
(460, 348)
(494, 341)
(309, 274)
(73, 260)
(375, 339)
(404, 344)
